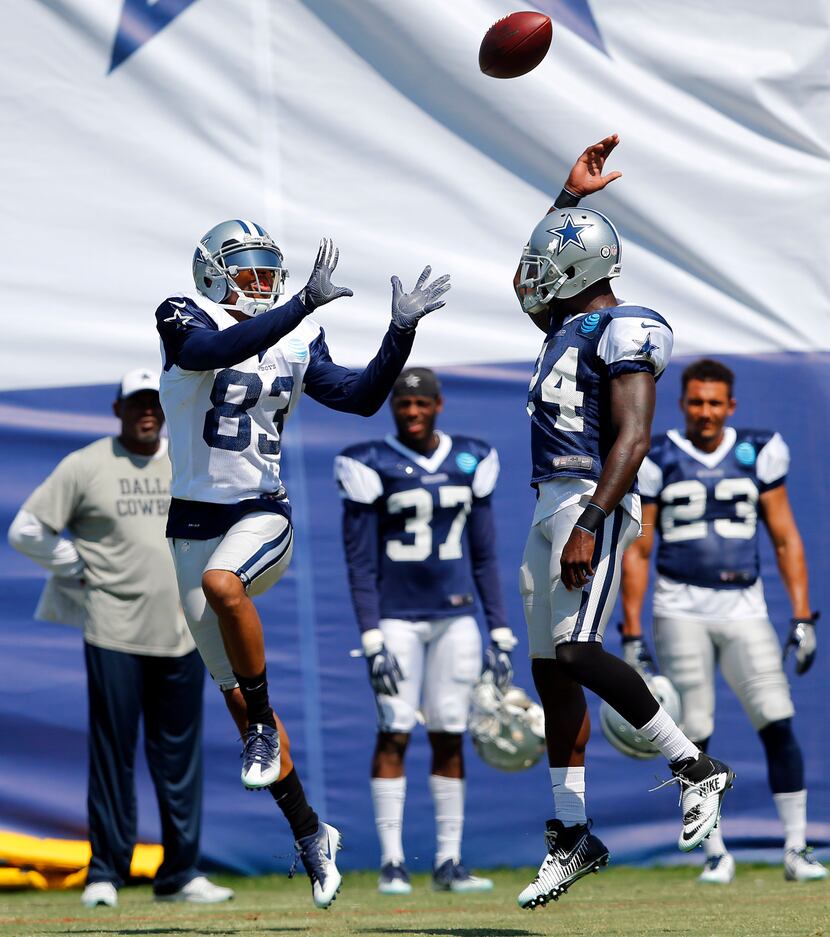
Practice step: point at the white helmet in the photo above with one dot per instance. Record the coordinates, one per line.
(568, 251)
(226, 249)
(623, 736)
(508, 729)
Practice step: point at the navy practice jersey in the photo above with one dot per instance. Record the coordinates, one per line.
(708, 504)
(569, 397)
(418, 530)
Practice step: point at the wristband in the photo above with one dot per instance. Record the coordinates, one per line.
(591, 519)
(567, 199)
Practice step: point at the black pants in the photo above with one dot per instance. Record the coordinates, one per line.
(168, 692)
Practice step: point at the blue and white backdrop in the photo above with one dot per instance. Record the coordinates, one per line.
(131, 126)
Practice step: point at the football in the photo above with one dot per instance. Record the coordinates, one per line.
(515, 44)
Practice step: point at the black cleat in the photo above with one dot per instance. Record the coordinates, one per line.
(573, 852)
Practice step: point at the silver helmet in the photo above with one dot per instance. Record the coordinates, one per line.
(568, 251)
(623, 736)
(508, 729)
(226, 249)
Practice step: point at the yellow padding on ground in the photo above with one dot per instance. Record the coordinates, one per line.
(32, 862)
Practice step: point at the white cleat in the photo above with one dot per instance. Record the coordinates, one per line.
(718, 870)
(199, 890)
(800, 865)
(703, 782)
(260, 757)
(318, 853)
(100, 893)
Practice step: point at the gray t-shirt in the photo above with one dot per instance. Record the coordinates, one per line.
(114, 505)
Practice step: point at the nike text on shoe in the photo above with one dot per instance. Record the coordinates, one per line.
(260, 757)
(703, 782)
(452, 876)
(800, 865)
(394, 879)
(718, 870)
(573, 852)
(318, 854)
(100, 893)
(199, 890)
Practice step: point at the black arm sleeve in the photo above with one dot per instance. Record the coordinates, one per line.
(361, 392)
(567, 199)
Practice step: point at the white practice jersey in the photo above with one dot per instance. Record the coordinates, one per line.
(225, 424)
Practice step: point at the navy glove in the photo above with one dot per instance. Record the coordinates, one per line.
(802, 640)
(384, 669)
(408, 308)
(637, 655)
(320, 290)
(498, 665)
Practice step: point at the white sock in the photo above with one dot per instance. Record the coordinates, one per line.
(388, 796)
(714, 845)
(792, 809)
(663, 733)
(568, 795)
(448, 797)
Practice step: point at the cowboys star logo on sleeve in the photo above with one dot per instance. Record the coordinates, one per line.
(646, 348)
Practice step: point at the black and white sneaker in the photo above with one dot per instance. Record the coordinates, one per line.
(318, 854)
(573, 852)
(703, 782)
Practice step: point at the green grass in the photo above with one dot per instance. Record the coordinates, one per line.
(621, 901)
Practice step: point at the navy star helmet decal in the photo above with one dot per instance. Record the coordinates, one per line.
(140, 21)
(569, 233)
(646, 348)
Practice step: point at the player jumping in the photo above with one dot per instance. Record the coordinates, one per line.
(591, 402)
(235, 365)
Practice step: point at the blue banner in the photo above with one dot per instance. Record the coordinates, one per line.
(323, 694)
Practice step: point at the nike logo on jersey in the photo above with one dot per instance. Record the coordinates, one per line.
(174, 303)
(179, 319)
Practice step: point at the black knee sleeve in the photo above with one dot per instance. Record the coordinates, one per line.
(785, 763)
(611, 679)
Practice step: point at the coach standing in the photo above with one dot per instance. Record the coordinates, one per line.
(112, 497)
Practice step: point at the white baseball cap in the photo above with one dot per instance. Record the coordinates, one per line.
(134, 382)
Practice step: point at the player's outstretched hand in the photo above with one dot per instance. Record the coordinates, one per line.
(802, 640)
(586, 175)
(408, 308)
(384, 672)
(320, 290)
